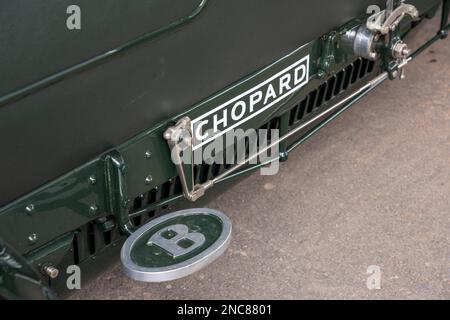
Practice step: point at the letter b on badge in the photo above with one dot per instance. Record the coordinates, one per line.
(177, 240)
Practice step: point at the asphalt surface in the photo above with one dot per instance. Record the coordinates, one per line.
(371, 188)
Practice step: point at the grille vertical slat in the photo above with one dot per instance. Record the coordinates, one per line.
(321, 94)
(355, 73)
(363, 69)
(339, 82)
(76, 249)
(347, 76)
(311, 101)
(91, 238)
(330, 90)
(302, 108)
(293, 115)
(371, 66)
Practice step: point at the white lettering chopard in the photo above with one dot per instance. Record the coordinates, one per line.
(250, 103)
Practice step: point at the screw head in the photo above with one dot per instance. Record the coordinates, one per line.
(92, 180)
(148, 179)
(373, 55)
(406, 51)
(148, 154)
(125, 202)
(93, 209)
(32, 238)
(29, 208)
(394, 74)
(168, 135)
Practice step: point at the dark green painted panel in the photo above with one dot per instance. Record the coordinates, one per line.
(36, 42)
(87, 113)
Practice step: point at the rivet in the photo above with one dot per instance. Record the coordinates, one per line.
(32, 238)
(93, 209)
(167, 135)
(148, 154)
(92, 180)
(149, 179)
(30, 208)
(125, 203)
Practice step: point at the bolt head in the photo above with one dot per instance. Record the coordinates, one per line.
(148, 179)
(93, 209)
(394, 74)
(29, 208)
(406, 52)
(168, 135)
(92, 180)
(32, 238)
(148, 154)
(373, 56)
(125, 203)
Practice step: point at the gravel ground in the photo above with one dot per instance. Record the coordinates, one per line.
(372, 188)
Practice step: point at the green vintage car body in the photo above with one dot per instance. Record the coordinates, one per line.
(83, 113)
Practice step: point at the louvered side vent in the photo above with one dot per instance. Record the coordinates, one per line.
(331, 88)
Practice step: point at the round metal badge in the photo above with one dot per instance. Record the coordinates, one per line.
(176, 245)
